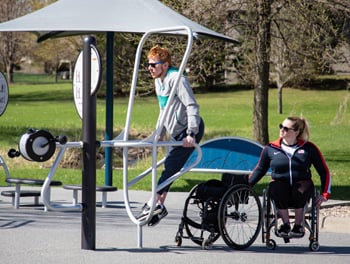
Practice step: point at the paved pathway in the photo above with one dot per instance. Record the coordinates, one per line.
(31, 235)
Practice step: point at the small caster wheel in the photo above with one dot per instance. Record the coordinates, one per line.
(178, 241)
(314, 246)
(206, 243)
(271, 244)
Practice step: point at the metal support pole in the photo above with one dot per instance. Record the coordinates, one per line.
(88, 232)
(109, 108)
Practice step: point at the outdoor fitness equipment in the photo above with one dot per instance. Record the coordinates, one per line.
(46, 147)
(37, 145)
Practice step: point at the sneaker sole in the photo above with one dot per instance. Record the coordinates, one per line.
(156, 222)
(155, 212)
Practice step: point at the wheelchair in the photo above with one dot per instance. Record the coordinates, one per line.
(225, 208)
(271, 220)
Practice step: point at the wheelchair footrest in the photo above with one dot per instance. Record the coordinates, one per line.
(286, 239)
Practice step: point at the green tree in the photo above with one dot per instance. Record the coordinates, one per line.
(210, 59)
(306, 37)
(13, 44)
(262, 58)
(54, 52)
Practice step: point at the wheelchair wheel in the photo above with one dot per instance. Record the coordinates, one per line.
(314, 246)
(240, 217)
(193, 220)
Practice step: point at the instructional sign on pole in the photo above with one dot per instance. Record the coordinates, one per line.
(96, 72)
(4, 93)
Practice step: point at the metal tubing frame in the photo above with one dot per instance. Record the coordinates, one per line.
(109, 107)
(4, 166)
(45, 190)
(88, 215)
(125, 143)
(158, 129)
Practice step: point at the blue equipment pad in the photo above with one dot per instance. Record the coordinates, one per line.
(234, 155)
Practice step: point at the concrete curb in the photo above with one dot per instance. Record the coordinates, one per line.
(335, 224)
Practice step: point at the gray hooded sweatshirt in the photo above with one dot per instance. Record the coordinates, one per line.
(184, 110)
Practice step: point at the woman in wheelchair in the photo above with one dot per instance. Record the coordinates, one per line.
(290, 158)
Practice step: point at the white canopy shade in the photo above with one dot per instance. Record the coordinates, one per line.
(69, 17)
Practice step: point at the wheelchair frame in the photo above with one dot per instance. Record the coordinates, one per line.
(234, 213)
(271, 217)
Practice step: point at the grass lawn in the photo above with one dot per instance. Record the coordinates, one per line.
(51, 107)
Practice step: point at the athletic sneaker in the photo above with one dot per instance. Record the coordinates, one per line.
(297, 231)
(284, 230)
(157, 217)
(146, 209)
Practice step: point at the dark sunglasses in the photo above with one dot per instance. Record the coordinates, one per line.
(285, 129)
(153, 64)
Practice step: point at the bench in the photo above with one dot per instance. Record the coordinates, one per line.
(23, 193)
(17, 192)
(103, 189)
